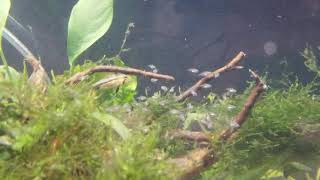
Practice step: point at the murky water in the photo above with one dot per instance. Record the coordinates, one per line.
(176, 35)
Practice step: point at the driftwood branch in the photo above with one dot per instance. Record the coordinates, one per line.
(233, 64)
(194, 162)
(125, 70)
(243, 114)
(189, 135)
(199, 159)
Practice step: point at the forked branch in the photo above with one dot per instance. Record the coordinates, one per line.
(233, 64)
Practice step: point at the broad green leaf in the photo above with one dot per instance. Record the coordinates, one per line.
(4, 12)
(114, 123)
(89, 21)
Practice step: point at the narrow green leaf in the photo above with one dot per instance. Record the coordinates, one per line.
(89, 21)
(114, 123)
(4, 12)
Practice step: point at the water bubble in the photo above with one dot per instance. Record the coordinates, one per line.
(164, 88)
(193, 70)
(206, 86)
(204, 73)
(153, 80)
(151, 66)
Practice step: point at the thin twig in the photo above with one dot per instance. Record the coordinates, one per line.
(125, 70)
(230, 66)
(243, 114)
(190, 135)
(194, 162)
(199, 159)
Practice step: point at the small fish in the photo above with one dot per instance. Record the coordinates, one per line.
(164, 88)
(216, 75)
(194, 93)
(172, 89)
(155, 71)
(189, 106)
(153, 80)
(204, 73)
(206, 86)
(113, 81)
(141, 98)
(151, 66)
(193, 70)
(231, 107)
(231, 90)
(238, 67)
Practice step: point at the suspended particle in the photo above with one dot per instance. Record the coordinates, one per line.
(164, 88)
(216, 75)
(153, 80)
(151, 66)
(206, 86)
(204, 73)
(193, 70)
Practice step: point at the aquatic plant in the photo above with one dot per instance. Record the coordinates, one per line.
(88, 125)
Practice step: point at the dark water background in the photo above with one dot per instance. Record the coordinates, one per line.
(176, 35)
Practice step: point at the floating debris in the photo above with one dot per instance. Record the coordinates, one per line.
(153, 80)
(164, 88)
(204, 73)
(193, 70)
(231, 90)
(151, 66)
(206, 86)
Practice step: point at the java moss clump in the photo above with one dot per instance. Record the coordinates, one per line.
(78, 132)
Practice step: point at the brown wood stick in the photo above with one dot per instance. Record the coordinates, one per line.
(108, 68)
(243, 114)
(189, 135)
(199, 159)
(230, 66)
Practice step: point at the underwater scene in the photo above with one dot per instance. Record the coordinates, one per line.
(160, 89)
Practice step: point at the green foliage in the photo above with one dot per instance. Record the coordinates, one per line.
(311, 61)
(89, 21)
(4, 12)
